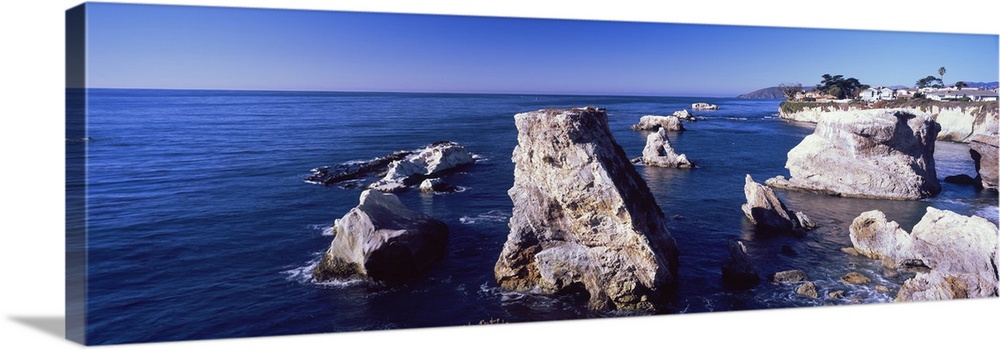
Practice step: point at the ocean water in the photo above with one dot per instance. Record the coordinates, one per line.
(200, 225)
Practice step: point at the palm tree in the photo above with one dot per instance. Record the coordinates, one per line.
(941, 72)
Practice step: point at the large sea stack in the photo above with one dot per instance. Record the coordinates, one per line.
(583, 218)
(878, 153)
(383, 241)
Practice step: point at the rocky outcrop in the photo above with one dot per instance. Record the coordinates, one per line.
(327, 175)
(954, 256)
(435, 185)
(669, 123)
(959, 121)
(432, 161)
(886, 154)
(382, 241)
(738, 271)
(877, 238)
(703, 106)
(767, 212)
(983, 149)
(658, 152)
(961, 252)
(583, 218)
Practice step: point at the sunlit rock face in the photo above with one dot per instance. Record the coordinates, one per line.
(583, 218)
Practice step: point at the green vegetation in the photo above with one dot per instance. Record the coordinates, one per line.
(929, 81)
(839, 87)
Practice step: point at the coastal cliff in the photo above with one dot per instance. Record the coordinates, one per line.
(959, 120)
(583, 218)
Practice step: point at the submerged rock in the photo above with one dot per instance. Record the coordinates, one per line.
(432, 161)
(962, 179)
(983, 149)
(583, 218)
(879, 153)
(668, 123)
(738, 271)
(790, 276)
(807, 289)
(954, 256)
(855, 278)
(766, 211)
(382, 241)
(658, 152)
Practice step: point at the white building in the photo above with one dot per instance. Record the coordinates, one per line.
(877, 94)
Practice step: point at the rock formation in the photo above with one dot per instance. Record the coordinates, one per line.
(955, 256)
(326, 175)
(855, 278)
(382, 241)
(807, 289)
(432, 161)
(738, 271)
(658, 152)
(435, 185)
(766, 211)
(983, 149)
(789, 276)
(885, 154)
(583, 218)
(669, 123)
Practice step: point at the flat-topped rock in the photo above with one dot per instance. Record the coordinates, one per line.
(878, 153)
(661, 122)
(382, 241)
(583, 218)
(432, 161)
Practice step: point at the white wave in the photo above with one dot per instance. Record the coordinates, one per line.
(303, 275)
(492, 216)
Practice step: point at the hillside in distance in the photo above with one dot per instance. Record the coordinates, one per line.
(769, 93)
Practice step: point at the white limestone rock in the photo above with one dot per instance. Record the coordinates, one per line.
(432, 161)
(658, 152)
(886, 154)
(583, 218)
(382, 241)
(767, 212)
(956, 254)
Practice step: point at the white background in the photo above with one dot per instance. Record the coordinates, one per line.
(31, 107)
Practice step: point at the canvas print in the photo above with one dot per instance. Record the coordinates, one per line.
(242, 172)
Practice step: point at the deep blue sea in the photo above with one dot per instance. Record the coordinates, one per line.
(200, 225)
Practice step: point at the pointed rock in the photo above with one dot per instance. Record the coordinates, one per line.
(658, 152)
(583, 218)
(766, 211)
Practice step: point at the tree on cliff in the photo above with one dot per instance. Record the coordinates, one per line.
(941, 72)
(842, 88)
(929, 81)
(961, 85)
(790, 90)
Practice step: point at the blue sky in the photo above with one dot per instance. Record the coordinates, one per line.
(143, 46)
